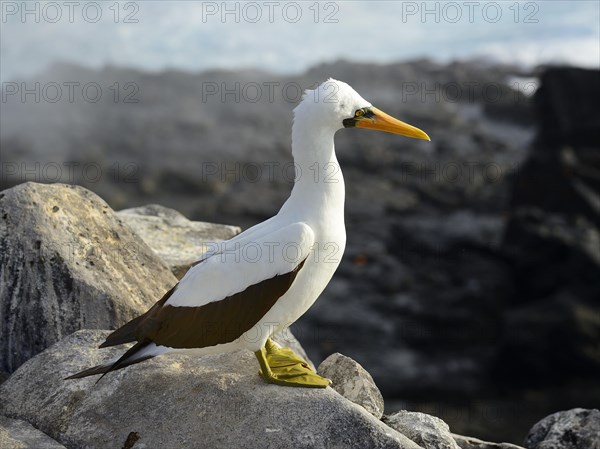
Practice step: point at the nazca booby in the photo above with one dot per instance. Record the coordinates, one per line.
(261, 281)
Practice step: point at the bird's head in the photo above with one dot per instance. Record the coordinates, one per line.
(334, 104)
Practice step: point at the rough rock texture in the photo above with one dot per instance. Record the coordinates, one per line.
(474, 443)
(67, 262)
(173, 402)
(427, 431)
(179, 242)
(572, 429)
(17, 434)
(353, 382)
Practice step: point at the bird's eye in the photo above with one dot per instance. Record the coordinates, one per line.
(359, 113)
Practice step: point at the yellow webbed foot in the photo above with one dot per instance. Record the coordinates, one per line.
(282, 366)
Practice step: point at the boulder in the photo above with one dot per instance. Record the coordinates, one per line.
(179, 242)
(216, 401)
(474, 443)
(17, 434)
(427, 431)
(353, 382)
(572, 429)
(68, 262)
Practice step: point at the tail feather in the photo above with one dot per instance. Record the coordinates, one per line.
(143, 350)
(136, 354)
(98, 369)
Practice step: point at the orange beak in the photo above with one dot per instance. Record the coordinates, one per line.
(381, 121)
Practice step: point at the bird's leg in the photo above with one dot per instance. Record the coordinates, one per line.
(282, 366)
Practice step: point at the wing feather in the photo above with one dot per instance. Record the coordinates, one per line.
(217, 322)
(225, 295)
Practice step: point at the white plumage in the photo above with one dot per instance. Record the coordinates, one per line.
(311, 221)
(302, 245)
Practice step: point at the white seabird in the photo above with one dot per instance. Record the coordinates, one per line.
(265, 278)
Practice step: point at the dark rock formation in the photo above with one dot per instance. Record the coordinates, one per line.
(552, 238)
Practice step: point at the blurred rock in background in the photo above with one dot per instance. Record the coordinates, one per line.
(552, 239)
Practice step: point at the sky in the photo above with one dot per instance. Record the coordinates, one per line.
(288, 37)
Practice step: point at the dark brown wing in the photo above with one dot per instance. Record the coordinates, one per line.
(217, 322)
(194, 327)
(208, 325)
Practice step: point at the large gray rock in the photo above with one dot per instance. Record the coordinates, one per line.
(179, 242)
(571, 429)
(17, 434)
(353, 382)
(67, 262)
(474, 443)
(173, 402)
(425, 430)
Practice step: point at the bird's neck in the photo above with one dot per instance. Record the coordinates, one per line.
(319, 184)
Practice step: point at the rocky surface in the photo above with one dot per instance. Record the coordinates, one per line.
(178, 242)
(173, 402)
(68, 262)
(427, 431)
(17, 434)
(475, 443)
(572, 429)
(353, 382)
